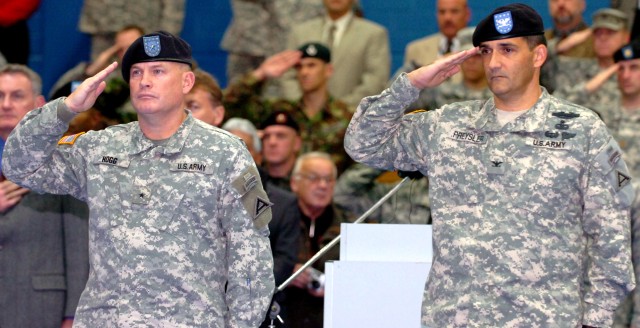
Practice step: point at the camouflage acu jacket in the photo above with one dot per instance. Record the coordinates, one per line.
(176, 234)
(522, 214)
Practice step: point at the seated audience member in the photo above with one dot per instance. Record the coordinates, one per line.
(44, 261)
(322, 118)
(360, 50)
(313, 179)
(246, 131)
(205, 99)
(280, 146)
(283, 228)
(590, 82)
(473, 84)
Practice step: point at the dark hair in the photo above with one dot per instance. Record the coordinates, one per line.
(535, 40)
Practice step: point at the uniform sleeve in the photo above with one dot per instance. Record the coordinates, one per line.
(33, 159)
(76, 248)
(246, 213)
(377, 62)
(608, 195)
(381, 137)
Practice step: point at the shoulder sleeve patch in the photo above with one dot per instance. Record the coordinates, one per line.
(70, 139)
(253, 197)
(614, 170)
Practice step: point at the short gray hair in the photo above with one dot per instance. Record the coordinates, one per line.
(314, 154)
(241, 124)
(36, 81)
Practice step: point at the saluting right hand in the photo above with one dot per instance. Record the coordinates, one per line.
(277, 64)
(433, 75)
(86, 93)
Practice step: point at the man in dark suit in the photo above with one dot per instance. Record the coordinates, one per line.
(43, 238)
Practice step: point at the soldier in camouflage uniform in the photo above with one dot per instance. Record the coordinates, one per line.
(624, 123)
(178, 226)
(529, 196)
(322, 119)
(578, 80)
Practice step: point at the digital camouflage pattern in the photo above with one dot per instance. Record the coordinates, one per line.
(173, 242)
(322, 132)
(624, 125)
(361, 186)
(571, 78)
(109, 16)
(530, 218)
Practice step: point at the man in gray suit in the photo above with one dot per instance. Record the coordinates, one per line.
(43, 238)
(359, 50)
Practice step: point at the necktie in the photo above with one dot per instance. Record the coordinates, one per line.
(331, 36)
(449, 44)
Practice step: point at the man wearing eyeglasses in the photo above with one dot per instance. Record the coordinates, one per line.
(312, 180)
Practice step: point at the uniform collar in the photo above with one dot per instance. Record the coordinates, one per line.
(173, 145)
(531, 121)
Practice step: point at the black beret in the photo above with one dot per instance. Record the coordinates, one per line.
(507, 22)
(280, 118)
(628, 52)
(316, 50)
(157, 46)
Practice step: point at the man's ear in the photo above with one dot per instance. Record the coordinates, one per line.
(539, 55)
(188, 80)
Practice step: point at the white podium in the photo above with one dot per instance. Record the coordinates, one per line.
(380, 277)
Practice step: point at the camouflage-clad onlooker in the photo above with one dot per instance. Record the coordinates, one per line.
(361, 186)
(102, 19)
(322, 119)
(529, 195)
(574, 77)
(178, 216)
(578, 80)
(623, 120)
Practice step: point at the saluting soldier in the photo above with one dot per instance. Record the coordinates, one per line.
(529, 196)
(178, 226)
